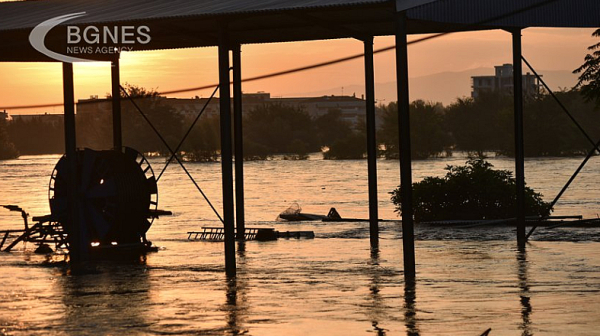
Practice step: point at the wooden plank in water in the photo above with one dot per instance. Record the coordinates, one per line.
(252, 233)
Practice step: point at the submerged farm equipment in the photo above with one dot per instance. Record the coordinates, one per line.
(117, 200)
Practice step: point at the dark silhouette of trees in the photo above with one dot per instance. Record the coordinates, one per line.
(486, 124)
(429, 134)
(137, 133)
(36, 136)
(278, 129)
(352, 146)
(550, 132)
(388, 134)
(482, 124)
(589, 73)
(95, 130)
(298, 150)
(203, 144)
(474, 125)
(337, 137)
(7, 148)
(331, 127)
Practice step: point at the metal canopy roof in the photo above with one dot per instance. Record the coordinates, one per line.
(542, 13)
(196, 23)
(27, 14)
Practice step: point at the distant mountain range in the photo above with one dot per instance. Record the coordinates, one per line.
(443, 87)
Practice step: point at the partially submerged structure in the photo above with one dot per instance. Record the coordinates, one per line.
(117, 201)
(229, 24)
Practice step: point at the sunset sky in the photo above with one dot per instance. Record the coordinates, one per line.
(546, 49)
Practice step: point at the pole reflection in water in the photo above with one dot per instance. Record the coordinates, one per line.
(376, 310)
(523, 268)
(107, 297)
(410, 309)
(236, 296)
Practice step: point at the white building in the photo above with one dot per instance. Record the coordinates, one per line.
(503, 81)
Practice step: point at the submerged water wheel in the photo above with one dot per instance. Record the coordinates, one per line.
(117, 194)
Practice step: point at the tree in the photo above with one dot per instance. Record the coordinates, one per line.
(330, 127)
(278, 129)
(337, 135)
(37, 136)
(203, 144)
(482, 124)
(589, 73)
(352, 146)
(549, 131)
(136, 131)
(429, 136)
(94, 130)
(471, 192)
(7, 148)
(298, 150)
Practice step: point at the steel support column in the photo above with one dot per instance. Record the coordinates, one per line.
(77, 240)
(226, 154)
(519, 146)
(239, 141)
(116, 104)
(371, 142)
(408, 236)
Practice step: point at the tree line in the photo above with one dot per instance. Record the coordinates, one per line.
(477, 126)
(486, 124)
(7, 147)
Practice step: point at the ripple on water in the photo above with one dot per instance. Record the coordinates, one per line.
(468, 280)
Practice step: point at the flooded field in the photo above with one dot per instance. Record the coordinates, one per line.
(468, 280)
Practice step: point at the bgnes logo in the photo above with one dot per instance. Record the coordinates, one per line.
(89, 40)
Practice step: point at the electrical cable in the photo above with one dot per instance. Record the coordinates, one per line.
(172, 153)
(188, 132)
(316, 65)
(583, 163)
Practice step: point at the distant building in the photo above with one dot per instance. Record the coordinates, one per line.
(3, 115)
(352, 108)
(50, 119)
(503, 81)
(93, 108)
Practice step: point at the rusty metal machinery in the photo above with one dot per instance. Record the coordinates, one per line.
(117, 196)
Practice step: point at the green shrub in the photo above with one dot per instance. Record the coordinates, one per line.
(470, 192)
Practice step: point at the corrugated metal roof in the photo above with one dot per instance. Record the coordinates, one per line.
(27, 14)
(543, 13)
(195, 23)
(402, 5)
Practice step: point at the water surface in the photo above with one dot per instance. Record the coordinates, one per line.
(468, 280)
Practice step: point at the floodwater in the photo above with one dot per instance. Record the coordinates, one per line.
(468, 280)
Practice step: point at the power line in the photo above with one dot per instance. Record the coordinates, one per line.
(321, 64)
(250, 79)
(166, 144)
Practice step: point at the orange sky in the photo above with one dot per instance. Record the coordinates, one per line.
(546, 49)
